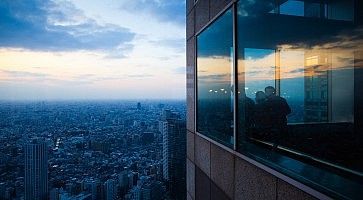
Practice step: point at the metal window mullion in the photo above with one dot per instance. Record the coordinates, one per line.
(195, 53)
(235, 75)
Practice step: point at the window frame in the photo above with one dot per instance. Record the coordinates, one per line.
(232, 5)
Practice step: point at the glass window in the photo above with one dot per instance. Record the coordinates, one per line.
(297, 91)
(215, 74)
(332, 9)
(292, 7)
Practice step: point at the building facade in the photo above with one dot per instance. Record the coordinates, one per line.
(174, 152)
(110, 189)
(274, 107)
(36, 170)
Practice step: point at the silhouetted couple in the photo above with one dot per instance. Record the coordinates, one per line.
(270, 114)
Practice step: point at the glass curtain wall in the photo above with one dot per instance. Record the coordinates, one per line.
(298, 100)
(297, 66)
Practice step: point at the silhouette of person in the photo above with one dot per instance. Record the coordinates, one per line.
(261, 119)
(247, 109)
(277, 109)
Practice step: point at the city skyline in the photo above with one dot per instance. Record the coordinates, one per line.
(92, 50)
(89, 150)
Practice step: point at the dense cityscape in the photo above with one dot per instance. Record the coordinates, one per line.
(92, 150)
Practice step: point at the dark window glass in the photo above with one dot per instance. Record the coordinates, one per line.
(333, 9)
(215, 80)
(299, 106)
(292, 7)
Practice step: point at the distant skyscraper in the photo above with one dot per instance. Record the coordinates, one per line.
(136, 193)
(174, 152)
(54, 194)
(151, 191)
(93, 187)
(123, 180)
(316, 87)
(36, 170)
(110, 189)
(2, 191)
(139, 106)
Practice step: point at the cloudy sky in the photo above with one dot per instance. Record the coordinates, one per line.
(92, 49)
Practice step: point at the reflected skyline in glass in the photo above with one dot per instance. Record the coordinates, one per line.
(215, 80)
(299, 67)
(313, 65)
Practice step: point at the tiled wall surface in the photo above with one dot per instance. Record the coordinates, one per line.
(212, 172)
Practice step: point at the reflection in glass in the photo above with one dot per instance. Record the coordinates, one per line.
(259, 70)
(333, 9)
(291, 82)
(292, 7)
(312, 72)
(215, 80)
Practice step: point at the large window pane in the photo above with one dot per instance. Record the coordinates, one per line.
(298, 97)
(215, 80)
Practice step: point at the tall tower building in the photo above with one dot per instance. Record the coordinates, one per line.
(110, 189)
(174, 152)
(36, 170)
(245, 69)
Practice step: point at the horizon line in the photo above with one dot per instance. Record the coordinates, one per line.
(96, 99)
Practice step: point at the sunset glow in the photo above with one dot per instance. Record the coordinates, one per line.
(97, 50)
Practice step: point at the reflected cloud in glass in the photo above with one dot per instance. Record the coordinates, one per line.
(215, 80)
(310, 52)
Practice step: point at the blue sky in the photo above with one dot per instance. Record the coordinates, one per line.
(88, 49)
